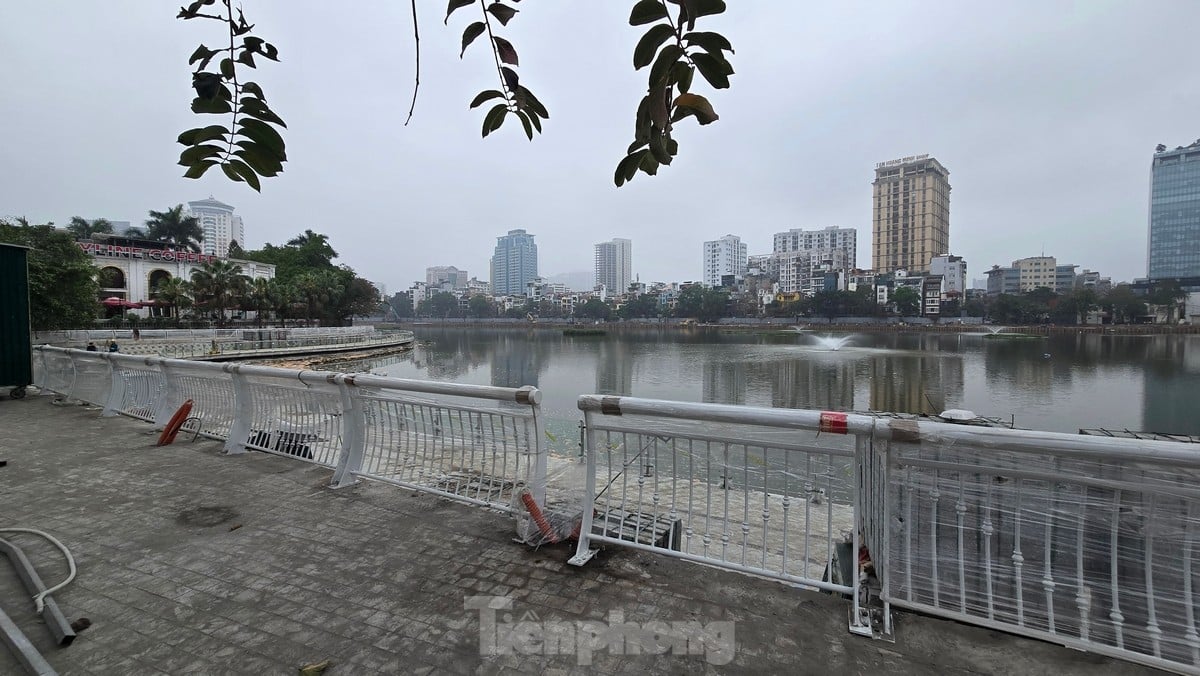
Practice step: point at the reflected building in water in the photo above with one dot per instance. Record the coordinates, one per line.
(614, 368)
(724, 383)
(921, 384)
(813, 384)
(1171, 385)
(517, 360)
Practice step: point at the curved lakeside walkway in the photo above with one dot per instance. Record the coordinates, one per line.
(191, 561)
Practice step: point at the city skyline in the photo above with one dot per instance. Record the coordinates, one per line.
(1011, 117)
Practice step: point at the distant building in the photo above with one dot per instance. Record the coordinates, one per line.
(1174, 241)
(953, 270)
(440, 276)
(1064, 277)
(219, 225)
(1003, 280)
(827, 239)
(724, 256)
(614, 265)
(1036, 272)
(809, 272)
(1089, 279)
(910, 221)
(514, 263)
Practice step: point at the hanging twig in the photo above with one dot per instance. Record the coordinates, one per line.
(417, 76)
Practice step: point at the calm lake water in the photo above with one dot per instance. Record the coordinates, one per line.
(1117, 382)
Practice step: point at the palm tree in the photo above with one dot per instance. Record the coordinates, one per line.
(175, 227)
(82, 228)
(135, 233)
(175, 292)
(218, 285)
(259, 297)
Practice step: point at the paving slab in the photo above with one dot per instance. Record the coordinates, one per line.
(192, 561)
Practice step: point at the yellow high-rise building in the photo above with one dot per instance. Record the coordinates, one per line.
(910, 215)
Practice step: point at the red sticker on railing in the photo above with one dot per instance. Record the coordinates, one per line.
(833, 422)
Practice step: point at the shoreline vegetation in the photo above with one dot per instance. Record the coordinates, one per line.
(819, 326)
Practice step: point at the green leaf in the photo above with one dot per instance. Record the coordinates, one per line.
(643, 54)
(503, 13)
(537, 123)
(253, 88)
(245, 172)
(672, 147)
(202, 53)
(233, 175)
(198, 135)
(194, 154)
(628, 167)
(456, 4)
(486, 96)
(510, 78)
(264, 134)
(641, 121)
(716, 72)
(246, 57)
(694, 104)
(647, 11)
(505, 49)
(658, 147)
(635, 145)
(227, 69)
(712, 43)
(197, 170)
(494, 118)
(524, 118)
(526, 99)
(649, 164)
(210, 106)
(473, 31)
(681, 75)
(258, 160)
(256, 108)
(662, 65)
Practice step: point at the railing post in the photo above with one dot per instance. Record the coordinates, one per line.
(170, 400)
(243, 411)
(116, 388)
(537, 480)
(353, 438)
(584, 552)
(70, 393)
(41, 377)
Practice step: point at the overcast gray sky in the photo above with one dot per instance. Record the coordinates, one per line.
(1046, 114)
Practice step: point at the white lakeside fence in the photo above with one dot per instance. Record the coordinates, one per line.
(473, 443)
(1084, 541)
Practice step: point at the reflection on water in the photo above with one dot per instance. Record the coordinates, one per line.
(1062, 382)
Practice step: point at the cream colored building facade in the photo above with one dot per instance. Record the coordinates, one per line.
(1036, 271)
(910, 214)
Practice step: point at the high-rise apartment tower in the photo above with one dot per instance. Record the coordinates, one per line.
(910, 221)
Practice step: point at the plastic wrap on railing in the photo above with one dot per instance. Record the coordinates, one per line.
(762, 498)
(477, 450)
(1082, 547)
(143, 387)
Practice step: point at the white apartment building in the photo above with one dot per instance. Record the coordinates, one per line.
(439, 276)
(725, 256)
(219, 224)
(614, 265)
(1035, 272)
(953, 270)
(832, 237)
(805, 271)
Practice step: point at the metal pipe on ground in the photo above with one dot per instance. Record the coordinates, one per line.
(58, 625)
(24, 651)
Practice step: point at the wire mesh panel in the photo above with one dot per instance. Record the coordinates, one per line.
(1076, 544)
(478, 452)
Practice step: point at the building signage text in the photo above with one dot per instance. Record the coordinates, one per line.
(114, 251)
(902, 160)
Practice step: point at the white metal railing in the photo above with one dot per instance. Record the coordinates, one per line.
(750, 489)
(1084, 541)
(473, 443)
(85, 335)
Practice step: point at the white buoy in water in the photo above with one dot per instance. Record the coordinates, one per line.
(957, 415)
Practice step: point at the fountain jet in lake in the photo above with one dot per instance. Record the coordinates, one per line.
(833, 343)
(995, 329)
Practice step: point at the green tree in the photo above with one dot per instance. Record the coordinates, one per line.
(1168, 295)
(640, 307)
(441, 304)
(906, 301)
(975, 307)
(1074, 307)
(176, 228)
(258, 298)
(594, 308)
(175, 293)
(1123, 305)
(63, 293)
(81, 228)
(481, 307)
(235, 249)
(218, 285)
(402, 304)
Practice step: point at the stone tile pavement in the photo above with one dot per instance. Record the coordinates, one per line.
(193, 562)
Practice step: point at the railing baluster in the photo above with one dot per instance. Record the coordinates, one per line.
(1191, 637)
(1152, 627)
(1047, 572)
(1017, 558)
(960, 510)
(1118, 620)
(934, 494)
(1083, 594)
